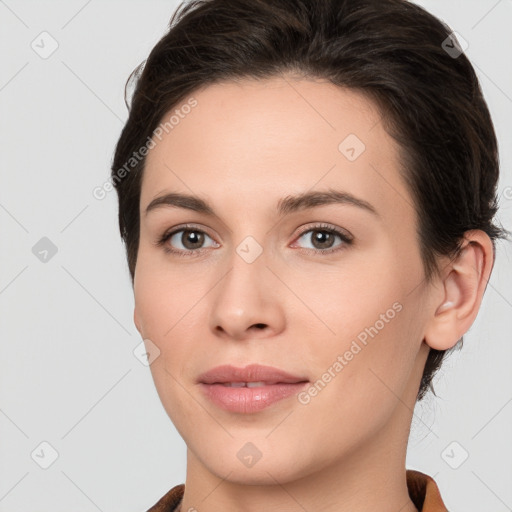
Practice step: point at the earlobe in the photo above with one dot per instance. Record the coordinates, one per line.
(463, 288)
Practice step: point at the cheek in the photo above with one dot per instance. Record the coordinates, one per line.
(163, 295)
(170, 312)
(164, 309)
(369, 327)
(351, 296)
(360, 375)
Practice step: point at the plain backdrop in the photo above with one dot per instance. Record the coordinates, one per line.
(73, 395)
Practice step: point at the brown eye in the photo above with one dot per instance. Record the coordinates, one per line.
(191, 239)
(187, 241)
(323, 239)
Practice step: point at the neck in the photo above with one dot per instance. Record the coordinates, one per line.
(372, 477)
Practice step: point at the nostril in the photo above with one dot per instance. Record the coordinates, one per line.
(260, 326)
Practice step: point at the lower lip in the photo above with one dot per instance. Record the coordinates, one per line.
(249, 400)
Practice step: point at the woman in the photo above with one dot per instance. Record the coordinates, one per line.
(306, 193)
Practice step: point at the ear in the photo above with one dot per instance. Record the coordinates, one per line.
(136, 321)
(464, 281)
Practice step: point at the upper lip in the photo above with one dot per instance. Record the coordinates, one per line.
(250, 373)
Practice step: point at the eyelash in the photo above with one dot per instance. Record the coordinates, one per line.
(347, 240)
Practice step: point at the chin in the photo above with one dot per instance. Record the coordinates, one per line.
(259, 474)
(242, 462)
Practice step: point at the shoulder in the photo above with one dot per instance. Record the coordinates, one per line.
(424, 492)
(170, 501)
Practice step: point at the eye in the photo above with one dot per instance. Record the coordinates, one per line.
(322, 238)
(185, 241)
(189, 240)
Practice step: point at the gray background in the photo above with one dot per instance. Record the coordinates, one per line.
(68, 374)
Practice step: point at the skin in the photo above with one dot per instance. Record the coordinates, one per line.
(244, 147)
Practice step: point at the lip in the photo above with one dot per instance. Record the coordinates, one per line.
(250, 373)
(278, 385)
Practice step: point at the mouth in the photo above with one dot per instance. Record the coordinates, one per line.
(251, 389)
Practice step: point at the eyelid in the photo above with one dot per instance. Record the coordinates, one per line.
(327, 227)
(185, 227)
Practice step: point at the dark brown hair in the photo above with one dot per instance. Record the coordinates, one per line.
(393, 51)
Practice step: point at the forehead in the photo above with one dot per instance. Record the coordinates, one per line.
(253, 141)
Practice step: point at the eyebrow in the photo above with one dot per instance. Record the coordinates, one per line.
(285, 206)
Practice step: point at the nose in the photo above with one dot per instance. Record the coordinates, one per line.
(248, 301)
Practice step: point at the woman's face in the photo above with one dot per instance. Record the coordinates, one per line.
(329, 289)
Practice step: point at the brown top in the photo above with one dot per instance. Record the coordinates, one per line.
(423, 492)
